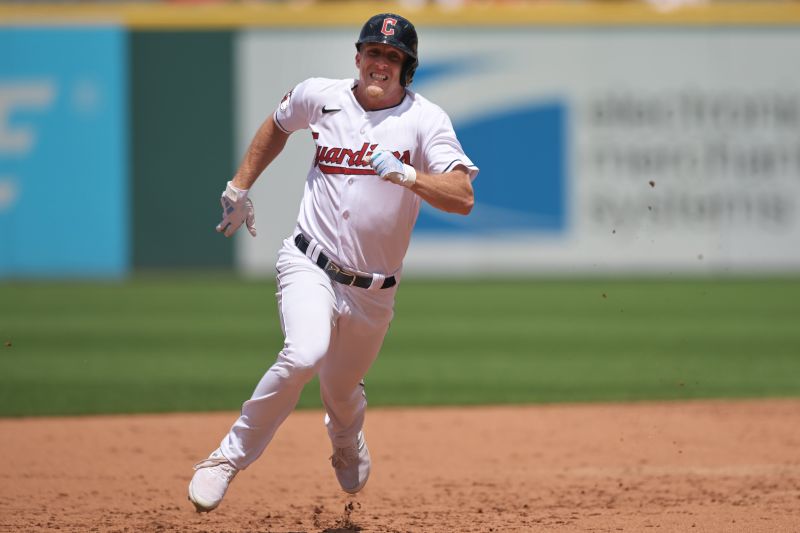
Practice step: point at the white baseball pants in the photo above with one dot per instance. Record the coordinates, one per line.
(330, 329)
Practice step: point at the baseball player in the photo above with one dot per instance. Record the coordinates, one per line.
(380, 150)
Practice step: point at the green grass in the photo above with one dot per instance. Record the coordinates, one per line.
(186, 343)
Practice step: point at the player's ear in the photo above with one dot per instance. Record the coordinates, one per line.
(358, 59)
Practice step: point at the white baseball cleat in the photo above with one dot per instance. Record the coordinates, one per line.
(352, 465)
(210, 481)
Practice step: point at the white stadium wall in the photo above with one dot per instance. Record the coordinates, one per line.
(622, 149)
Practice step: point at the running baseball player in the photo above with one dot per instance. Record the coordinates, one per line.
(380, 150)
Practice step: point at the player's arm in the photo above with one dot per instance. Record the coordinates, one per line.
(237, 208)
(450, 191)
(267, 143)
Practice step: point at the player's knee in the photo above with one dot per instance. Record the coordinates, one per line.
(292, 365)
(308, 351)
(342, 392)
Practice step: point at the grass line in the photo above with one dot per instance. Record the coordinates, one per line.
(197, 343)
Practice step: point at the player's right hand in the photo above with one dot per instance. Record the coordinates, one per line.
(237, 209)
(388, 167)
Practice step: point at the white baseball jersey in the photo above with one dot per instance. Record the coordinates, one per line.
(362, 221)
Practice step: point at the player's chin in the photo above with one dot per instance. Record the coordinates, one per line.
(375, 91)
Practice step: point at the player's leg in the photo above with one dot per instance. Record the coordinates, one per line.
(341, 385)
(360, 331)
(307, 307)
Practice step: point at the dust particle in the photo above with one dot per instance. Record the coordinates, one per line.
(605, 295)
(652, 183)
(316, 518)
(7, 344)
(346, 521)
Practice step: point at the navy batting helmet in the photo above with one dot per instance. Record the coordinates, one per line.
(397, 31)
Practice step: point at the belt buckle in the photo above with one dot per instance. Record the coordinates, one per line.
(337, 270)
(333, 267)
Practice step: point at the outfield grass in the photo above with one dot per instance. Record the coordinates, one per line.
(192, 343)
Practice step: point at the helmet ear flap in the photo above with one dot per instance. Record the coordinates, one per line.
(410, 66)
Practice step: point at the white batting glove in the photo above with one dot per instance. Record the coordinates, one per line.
(388, 167)
(237, 209)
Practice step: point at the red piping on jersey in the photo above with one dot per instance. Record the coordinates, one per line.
(328, 169)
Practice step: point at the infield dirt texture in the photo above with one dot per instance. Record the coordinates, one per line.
(707, 466)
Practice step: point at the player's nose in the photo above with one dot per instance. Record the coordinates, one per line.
(382, 61)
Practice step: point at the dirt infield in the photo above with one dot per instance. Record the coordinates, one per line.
(690, 467)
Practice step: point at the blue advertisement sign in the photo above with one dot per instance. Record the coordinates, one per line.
(63, 152)
(521, 153)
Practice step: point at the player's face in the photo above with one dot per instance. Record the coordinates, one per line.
(379, 66)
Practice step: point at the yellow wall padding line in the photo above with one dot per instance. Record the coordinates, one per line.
(331, 14)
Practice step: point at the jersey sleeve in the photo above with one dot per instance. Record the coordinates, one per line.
(294, 110)
(441, 148)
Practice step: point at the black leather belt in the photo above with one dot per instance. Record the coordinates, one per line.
(337, 273)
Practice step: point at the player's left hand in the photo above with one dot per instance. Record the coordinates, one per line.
(237, 209)
(388, 167)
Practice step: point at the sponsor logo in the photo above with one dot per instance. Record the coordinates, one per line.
(15, 138)
(326, 110)
(18, 139)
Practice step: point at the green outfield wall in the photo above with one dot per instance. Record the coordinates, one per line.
(182, 146)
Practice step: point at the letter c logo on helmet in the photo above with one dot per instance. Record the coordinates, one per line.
(388, 26)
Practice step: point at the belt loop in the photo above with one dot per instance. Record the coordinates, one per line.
(314, 250)
(377, 282)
